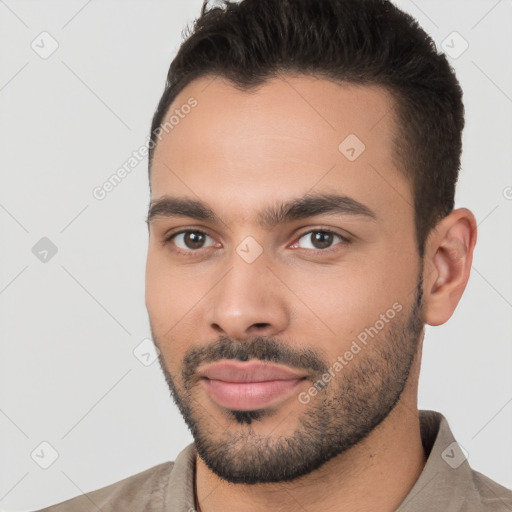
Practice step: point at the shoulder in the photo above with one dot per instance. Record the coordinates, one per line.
(143, 491)
(448, 482)
(493, 496)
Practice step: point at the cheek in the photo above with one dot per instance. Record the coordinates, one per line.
(163, 292)
(172, 294)
(155, 287)
(340, 303)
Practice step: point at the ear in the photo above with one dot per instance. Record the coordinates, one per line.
(447, 264)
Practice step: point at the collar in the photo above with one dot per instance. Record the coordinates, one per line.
(445, 483)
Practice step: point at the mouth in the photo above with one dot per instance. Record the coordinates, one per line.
(249, 385)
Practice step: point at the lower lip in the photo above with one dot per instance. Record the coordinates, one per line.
(246, 396)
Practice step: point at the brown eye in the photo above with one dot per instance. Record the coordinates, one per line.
(320, 239)
(189, 240)
(194, 240)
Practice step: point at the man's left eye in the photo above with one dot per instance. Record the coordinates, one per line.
(320, 239)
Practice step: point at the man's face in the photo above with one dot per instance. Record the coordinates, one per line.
(330, 294)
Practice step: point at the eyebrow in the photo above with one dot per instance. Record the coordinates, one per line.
(303, 207)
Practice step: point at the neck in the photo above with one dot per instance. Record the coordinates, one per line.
(376, 474)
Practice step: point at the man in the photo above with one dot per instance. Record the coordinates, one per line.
(303, 163)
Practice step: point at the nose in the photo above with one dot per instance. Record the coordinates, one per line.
(248, 301)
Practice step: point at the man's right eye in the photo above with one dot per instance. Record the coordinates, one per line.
(188, 241)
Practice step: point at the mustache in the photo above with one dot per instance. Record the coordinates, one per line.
(261, 348)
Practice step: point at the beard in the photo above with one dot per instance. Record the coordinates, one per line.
(341, 415)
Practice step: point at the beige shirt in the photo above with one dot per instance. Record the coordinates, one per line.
(446, 484)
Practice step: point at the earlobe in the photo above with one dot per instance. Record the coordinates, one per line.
(447, 264)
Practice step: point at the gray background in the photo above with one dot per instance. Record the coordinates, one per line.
(69, 326)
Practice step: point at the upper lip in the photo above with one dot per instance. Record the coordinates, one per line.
(248, 371)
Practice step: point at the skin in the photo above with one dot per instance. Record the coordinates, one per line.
(240, 152)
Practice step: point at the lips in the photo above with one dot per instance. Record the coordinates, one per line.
(248, 371)
(248, 385)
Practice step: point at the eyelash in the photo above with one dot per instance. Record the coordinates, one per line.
(192, 252)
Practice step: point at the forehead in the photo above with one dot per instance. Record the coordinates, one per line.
(287, 137)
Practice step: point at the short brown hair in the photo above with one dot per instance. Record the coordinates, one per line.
(355, 41)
